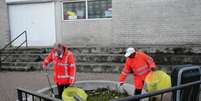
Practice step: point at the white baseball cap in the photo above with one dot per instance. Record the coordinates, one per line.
(129, 51)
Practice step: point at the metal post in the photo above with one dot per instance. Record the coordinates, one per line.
(26, 97)
(19, 93)
(0, 60)
(26, 39)
(32, 98)
(161, 97)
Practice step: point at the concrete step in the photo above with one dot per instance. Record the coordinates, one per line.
(16, 68)
(162, 59)
(100, 58)
(117, 58)
(17, 56)
(172, 59)
(100, 67)
(16, 59)
(24, 49)
(20, 66)
(22, 52)
(81, 67)
(76, 50)
(119, 50)
(35, 64)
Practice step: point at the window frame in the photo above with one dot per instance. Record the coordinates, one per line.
(86, 11)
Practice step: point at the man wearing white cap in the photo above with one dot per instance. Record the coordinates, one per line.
(141, 64)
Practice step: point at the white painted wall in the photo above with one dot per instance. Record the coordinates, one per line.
(39, 21)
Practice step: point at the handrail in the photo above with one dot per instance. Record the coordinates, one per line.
(154, 93)
(6, 46)
(24, 32)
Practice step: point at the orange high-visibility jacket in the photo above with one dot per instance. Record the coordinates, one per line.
(64, 67)
(140, 65)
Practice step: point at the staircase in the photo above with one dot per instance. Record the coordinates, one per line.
(87, 59)
(97, 59)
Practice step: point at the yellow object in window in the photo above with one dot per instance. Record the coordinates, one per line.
(70, 13)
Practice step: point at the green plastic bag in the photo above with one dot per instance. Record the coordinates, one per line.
(70, 94)
(157, 80)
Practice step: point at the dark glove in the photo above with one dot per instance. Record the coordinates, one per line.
(121, 84)
(153, 68)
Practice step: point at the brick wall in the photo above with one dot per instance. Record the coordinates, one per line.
(4, 27)
(87, 32)
(156, 22)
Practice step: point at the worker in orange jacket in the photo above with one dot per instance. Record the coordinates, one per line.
(64, 67)
(140, 64)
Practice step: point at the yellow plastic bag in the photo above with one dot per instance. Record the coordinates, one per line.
(70, 93)
(157, 80)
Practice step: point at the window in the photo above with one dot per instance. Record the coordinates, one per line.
(100, 9)
(96, 9)
(74, 10)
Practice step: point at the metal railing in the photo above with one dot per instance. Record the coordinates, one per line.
(25, 41)
(160, 92)
(27, 95)
(10, 43)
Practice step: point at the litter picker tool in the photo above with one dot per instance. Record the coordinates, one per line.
(48, 79)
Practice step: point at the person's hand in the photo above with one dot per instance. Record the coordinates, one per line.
(72, 84)
(121, 84)
(119, 87)
(153, 68)
(44, 67)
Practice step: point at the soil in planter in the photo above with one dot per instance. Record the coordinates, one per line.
(103, 94)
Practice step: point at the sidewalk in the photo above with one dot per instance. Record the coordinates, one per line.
(9, 81)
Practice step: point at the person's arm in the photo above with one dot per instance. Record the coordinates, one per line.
(124, 72)
(48, 59)
(149, 61)
(72, 67)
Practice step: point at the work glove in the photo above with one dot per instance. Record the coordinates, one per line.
(44, 67)
(153, 68)
(121, 84)
(119, 87)
(72, 84)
